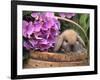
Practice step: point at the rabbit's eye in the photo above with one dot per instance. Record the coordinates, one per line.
(77, 40)
(66, 40)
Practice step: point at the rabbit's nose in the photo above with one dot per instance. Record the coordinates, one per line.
(72, 47)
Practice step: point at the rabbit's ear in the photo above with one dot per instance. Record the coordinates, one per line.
(58, 43)
(80, 40)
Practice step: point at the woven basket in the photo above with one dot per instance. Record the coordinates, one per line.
(47, 59)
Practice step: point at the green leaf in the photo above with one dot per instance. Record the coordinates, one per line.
(64, 25)
(84, 21)
(27, 13)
